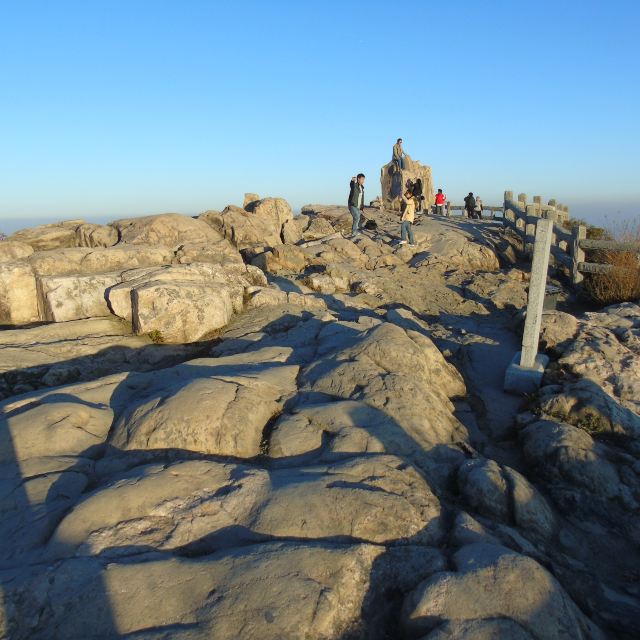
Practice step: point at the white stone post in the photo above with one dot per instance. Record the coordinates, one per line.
(578, 233)
(525, 376)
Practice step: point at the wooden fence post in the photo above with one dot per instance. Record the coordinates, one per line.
(578, 233)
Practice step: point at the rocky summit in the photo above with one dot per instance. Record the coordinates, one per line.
(250, 424)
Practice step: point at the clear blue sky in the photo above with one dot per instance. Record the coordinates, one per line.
(117, 108)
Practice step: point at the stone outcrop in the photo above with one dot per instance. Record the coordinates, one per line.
(167, 230)
(277, 431)
(393, 182)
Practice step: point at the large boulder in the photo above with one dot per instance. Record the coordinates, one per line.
(239, 503)
(98, 260)
(75, 297)
(61, 353)
(167, 229)
(11, 250)
(265, 591)
(96, 235)
(261, 225)
(200, 405)
(57, 235)
(234, 276)
(494, 583)
(393, 182)
(180, 311)
(18, 294)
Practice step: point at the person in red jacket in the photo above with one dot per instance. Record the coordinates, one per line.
(441, 202)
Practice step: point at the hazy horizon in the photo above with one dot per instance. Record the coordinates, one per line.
(119, 109)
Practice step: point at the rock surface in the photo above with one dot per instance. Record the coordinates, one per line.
(324, 452)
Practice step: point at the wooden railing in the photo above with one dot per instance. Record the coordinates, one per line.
(567, 246)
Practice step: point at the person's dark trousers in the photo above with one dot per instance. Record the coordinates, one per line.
(400, 163)
(355, 214)
(470, 213)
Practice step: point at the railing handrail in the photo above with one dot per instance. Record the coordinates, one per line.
(575, 241)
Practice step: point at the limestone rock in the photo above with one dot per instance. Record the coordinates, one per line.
(318, 228)
(557, 330)
(393, 182)
(249, 199)
(488, 585)
(75, 297)
(314, 590)
(57, 235)
(167, 230)
(180, 311)
(65, 262)
(282, 258)
(484, 487)
(96, 235)
(18, 295)
(66, 352)
(169, 508)
(219, 252)
(199, 405)
(293, 229)
(11, 250)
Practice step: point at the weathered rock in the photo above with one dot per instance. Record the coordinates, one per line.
(393, 182)
(318, 228)
(11, 250)
(293, 229)
(488, 586)
(18, 296)
(96, 235)
(282, 258)
(250, 199)
(219, 252)
(484, 487)
(67, 298)
(65, 262)
(169, 508)
(232, 276)
(66, 352)
(557, 330)
(199, 405)
(167, 230)
(585, 405)
(180, 310)
(562, 452)
(57, 235)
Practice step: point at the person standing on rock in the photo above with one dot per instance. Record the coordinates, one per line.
(408, 217)
(398, 154)
(470, 205)
(441, 201)
(356, 202)
(478, 209)
(417, 194)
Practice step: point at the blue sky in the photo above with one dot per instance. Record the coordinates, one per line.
(122, 108)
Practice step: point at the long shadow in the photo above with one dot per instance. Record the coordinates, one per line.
(381, 604)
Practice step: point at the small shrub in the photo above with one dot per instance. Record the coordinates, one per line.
(622, 283)
(156, 337)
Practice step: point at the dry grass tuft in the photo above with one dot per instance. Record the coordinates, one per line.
(622, 283)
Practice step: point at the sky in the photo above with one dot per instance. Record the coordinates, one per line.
(118, 108)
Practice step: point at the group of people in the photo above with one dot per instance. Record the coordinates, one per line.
(412, 200)
(473, 206)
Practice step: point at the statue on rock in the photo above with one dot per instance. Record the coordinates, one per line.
(395, 175)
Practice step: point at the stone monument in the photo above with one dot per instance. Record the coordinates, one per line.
(393, 181)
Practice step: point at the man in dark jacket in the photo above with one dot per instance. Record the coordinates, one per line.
(356, 202)
(470, 205)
